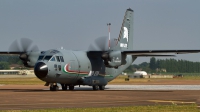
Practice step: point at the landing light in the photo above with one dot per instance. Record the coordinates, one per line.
(44, 66)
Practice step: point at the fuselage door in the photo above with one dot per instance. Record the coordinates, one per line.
(53, 65)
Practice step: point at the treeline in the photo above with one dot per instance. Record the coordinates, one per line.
(172, 65)
(154, 66)
(7, 60)
(167, 65)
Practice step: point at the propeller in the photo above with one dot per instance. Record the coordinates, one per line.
(100, 49)
(101, 44)
(24, 47)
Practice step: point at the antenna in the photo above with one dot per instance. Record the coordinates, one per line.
(108, 24)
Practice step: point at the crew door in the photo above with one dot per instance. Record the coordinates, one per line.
(58, 65)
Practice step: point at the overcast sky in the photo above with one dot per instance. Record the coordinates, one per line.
(73, 24)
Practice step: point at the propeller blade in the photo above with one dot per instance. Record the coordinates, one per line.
(26, 43)
(34, 48)
(91, 48)
(100, 44)
(23, 45)
(15, 46)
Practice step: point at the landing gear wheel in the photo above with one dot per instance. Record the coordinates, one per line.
(64, 87)
(95, 87)
(54, 88)
(101, 87)
(71, 87)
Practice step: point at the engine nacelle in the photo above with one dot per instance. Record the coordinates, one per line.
(29, 59)
(93, 80)
(114, 59)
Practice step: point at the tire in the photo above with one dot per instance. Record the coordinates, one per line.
(71, 87)
(95, 87)
(51, 89)
(101, 87)
(54, 88)
(64, 87)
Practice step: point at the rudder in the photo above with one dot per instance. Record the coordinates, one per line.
(125, 39)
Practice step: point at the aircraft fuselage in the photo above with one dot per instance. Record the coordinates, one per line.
(67, 67)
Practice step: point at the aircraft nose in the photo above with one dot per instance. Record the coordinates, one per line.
(41, 70)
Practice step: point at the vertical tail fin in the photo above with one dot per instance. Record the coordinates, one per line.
(125, 39)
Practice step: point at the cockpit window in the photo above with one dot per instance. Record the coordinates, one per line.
(40, 57)
(53, 59)
(61, 58)
(58, 58)
(47, 58)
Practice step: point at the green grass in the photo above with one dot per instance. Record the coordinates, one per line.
(156, 108)
(21, 81)
(119, 79)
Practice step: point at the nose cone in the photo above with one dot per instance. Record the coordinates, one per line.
(41, 70)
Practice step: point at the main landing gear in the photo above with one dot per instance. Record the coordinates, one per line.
(96, 87)
(71, 87)
(64, 87)
(54, 87)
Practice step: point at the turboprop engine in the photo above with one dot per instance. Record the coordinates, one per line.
(114, 59)
(28, 52)
(111, 58)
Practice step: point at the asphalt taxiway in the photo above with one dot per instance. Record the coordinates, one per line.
(39, 97)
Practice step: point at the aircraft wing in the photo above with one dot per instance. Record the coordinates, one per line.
(7, 52)
(146, 53)
(154, 55)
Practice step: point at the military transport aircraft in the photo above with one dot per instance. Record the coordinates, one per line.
(94, 67)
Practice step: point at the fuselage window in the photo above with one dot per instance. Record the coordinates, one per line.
(58, 58)
(55, 67)
(62, 59)
(59, 67)
(53, 59)
(47, 58)
(40, 57)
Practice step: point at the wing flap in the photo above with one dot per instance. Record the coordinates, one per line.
(154, 55)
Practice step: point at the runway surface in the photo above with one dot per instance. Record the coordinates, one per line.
(39, 97)
(145, 87)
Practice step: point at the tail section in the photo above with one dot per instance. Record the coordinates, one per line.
(125, 39)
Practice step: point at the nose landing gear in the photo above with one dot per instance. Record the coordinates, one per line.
(54, 87)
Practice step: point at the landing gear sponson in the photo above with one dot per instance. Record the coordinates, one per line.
(54, 87)
(96, 87)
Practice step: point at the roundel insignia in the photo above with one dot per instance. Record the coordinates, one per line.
(66, 68)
